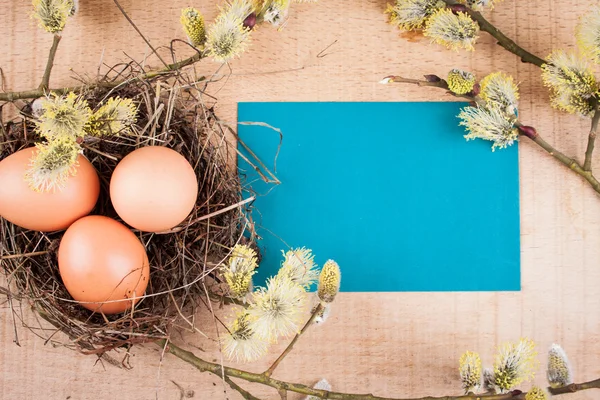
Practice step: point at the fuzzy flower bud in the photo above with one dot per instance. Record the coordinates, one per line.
(488, 380)
(113, 118)
(52, 14)
(277, 309)
(74, 5)
(323, 315)
(63, 117)
(453, 31)
(241, 343)
(559, 369)
(275, 12)
(299, 266)
(499, 90)
(479, 5)
(52, 165)
(568, 72)
(192, 22)
(239, 270)
(515, 363)
(412, 14)
(460, 82)
(227, 38)
(239, 8)
(572, 103)
(329, 282)
(470, 371)
(536, 393)
(588, 34)
(489, 124)
(571, 81)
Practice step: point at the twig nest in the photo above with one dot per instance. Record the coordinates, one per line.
(198, 189)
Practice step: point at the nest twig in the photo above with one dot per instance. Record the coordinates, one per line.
(171, 113)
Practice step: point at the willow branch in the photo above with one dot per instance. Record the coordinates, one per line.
(290, 346)
(224, 371)
(283, 394)
(431, 81)
(575, 387)
(46, 78)
(34, 94)
(587, 164)
(245, 394)
(502, 39)
(565, 160)
(532, 134)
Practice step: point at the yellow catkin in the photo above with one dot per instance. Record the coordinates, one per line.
(470, 371)
(329, 281)
(460, 82)
(454, 31)
(192, 22)
(536, 393)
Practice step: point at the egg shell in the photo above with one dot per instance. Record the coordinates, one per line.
(45, 211)
(101, 262)
(153, 188)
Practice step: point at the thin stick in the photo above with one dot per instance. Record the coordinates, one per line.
(575, 387)
(502, 39)
(46, 78)
(35, 93)
(246, 395)
(215, 213)
(140, 33)
(567, 161)
(206, 366)
(587, 164)
(290, 346)
(437, 83)
(32, 254)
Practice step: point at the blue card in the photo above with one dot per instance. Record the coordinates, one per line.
(391, 191)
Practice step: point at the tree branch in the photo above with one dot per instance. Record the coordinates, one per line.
(575, 387)
(223, 371)
(567, 161)
(502, 39)
(46, 78)
(290, 346)
(246, 395)
(587, 164)
(432, 81)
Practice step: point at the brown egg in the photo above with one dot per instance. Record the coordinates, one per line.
(101, 263)
(45, 211)
(153, 188)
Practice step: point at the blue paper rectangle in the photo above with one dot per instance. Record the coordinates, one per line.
(391, 191)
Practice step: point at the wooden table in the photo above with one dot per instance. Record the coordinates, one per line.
(394, 344)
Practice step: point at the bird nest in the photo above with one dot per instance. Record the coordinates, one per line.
(183, 263)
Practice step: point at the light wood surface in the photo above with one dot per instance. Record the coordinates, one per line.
(393, 344)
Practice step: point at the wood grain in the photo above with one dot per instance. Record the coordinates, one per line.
(394, 344)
